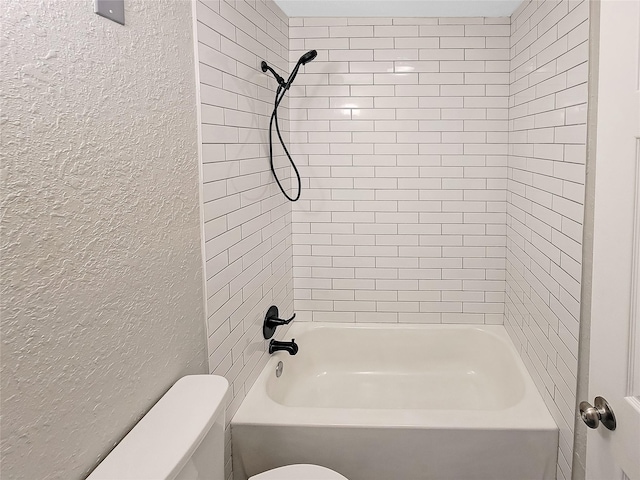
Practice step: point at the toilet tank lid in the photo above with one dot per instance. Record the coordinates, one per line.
(162, 442)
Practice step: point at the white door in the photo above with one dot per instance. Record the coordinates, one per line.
(614, 364)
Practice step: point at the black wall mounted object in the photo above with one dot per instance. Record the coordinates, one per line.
(271, 322)
(283, 86)
(289, 347)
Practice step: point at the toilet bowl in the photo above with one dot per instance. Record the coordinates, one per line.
(182, 437)
(299, 472)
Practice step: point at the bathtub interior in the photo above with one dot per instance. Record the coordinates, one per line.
(349, 366)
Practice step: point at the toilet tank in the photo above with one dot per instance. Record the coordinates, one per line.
(180, 438)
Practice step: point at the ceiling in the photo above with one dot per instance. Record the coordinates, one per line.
(398, 8)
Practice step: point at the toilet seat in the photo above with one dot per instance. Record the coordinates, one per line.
(299, 472)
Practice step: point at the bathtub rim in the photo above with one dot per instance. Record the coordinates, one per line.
(530, 413)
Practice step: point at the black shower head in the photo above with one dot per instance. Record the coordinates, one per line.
(280, 93)
(307, 57)
(304, 59)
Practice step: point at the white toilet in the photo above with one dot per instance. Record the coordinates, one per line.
(182, 437)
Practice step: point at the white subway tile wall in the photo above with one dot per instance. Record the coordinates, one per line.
(546, 171)
(400, 131)
(442, 164)
(247, 221)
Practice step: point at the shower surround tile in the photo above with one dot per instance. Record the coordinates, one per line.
(247, 222)
(545, 197)
(443, 164)
(401, 133)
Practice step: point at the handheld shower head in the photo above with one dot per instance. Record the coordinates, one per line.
(280, 93)
(304, 59)
(307, 57)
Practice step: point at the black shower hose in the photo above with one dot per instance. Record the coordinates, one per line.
(274, 118)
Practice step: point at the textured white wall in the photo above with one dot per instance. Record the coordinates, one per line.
(101, 282)
(399, 127)
(247, 221)
(547, 152)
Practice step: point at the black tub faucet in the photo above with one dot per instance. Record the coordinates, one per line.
(290, 347)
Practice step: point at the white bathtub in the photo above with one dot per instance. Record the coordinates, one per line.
(401, 402)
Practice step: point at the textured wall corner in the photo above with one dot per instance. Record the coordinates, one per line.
(101, 288)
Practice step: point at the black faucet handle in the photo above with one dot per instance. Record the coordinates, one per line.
(272, 321)
(279, 321)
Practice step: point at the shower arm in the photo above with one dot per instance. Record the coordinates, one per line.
(278, 78)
